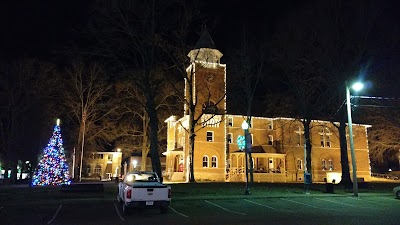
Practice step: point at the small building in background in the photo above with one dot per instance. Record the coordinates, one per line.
(102, 166)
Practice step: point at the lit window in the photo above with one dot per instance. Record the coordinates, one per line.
(229, 138)
(214, 161)
(97, 169)
(325, 137)
(110, 157)
(299, 164)
(230, 121)
(328, 141)
(210, 136)
(322, 140)
(205, 161)
(98, 156)
(270, 125)
(270, 139)
(330, 165)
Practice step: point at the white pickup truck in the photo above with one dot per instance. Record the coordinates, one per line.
(143, 190)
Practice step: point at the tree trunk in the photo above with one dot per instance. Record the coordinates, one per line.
(143, 166)
(191, 145)
(306, 124)
(153, 121)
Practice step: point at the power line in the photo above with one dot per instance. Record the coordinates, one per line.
(376, 106)
(373, 97)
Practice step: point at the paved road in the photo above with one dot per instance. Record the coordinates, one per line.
(306, 209)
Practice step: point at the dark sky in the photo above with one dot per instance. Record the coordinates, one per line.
(33, 28)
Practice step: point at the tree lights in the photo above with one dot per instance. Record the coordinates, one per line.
(52, 168)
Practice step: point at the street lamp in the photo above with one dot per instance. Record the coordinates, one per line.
(245, 127)
(357, 86)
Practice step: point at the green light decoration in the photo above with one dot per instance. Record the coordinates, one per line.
(241, 142)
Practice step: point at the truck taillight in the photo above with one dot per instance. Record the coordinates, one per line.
(169, 193)
(129, 193)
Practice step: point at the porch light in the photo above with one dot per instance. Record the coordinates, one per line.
(134, 162)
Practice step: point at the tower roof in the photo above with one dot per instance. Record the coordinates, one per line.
(205, 50)
(205, 40)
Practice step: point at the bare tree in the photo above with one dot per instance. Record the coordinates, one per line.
(128, 35)
(301, 73)
(21, 101)
(384, 138)
(248, 63)
(133, 107)
(345, 40)
(333, 50)
(87, 100)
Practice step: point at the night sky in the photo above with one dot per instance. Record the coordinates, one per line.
(34, 28)
(39, 28)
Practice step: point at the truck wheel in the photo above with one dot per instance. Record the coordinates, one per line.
(125, 209)
(164, 209)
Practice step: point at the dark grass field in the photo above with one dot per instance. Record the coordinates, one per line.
(108, 190)
(210, 189)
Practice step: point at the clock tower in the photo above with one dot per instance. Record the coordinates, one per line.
(207, 77)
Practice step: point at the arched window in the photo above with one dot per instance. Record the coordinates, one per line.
(299, 136)
(323, 162)
(214, 161)
(205, 161)
(325, 136)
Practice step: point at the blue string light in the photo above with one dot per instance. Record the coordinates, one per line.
(52, 168)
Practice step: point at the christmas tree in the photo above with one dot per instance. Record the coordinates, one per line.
(52, 168)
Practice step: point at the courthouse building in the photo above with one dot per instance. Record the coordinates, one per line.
(277, 143)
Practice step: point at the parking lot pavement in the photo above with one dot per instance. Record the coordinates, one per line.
(305, 209)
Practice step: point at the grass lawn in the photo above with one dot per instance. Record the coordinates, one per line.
(270, 189)
(16, 193)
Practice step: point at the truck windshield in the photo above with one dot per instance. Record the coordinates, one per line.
(141, 178)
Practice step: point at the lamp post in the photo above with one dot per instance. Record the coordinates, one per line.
(245, 127)
(83, 143)
(356, 87)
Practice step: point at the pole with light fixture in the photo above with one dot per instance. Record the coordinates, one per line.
(245, 127)
(357, 86)
(83, 143)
